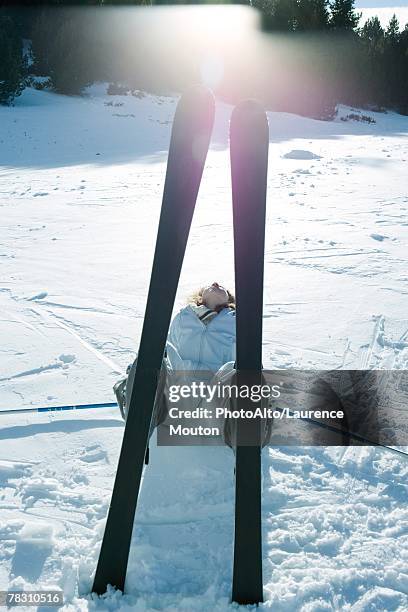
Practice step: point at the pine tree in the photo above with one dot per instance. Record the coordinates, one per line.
(42, 36)
(403, 60)
(12, 64)
(393, 31)
(65, 47)
(312, 15)
(372, 61)
(278, 15)
(392, 61)
(372, 32)
(343, 15)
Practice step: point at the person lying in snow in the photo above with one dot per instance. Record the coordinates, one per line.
(200, 345)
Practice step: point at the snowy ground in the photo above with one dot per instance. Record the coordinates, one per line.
(80, 185)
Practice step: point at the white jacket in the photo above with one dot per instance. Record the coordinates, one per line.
(193, 345)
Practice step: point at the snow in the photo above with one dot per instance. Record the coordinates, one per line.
(80, 188)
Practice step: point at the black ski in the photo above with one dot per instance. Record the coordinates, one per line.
(249, 139)
(189, 143)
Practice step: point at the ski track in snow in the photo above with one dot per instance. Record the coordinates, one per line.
(80, 211)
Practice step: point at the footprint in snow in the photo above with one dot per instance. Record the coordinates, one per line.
(301, 171)
(33, 546)
(67, 358)
(94, 453)
(378, 237)
(38, 296)
(11, 471)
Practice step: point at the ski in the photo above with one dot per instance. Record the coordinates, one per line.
(189, 144)
(249, 139)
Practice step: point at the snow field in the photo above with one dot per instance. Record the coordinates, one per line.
(80, 189)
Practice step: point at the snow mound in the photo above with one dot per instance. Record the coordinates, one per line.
(300, 154)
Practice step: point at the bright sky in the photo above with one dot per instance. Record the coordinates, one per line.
(384, 10)
(381, 3)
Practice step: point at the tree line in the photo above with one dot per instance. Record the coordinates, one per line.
(364, 66)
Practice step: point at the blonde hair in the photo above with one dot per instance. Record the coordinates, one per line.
(197, 298)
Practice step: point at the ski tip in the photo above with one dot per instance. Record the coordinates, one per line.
(199, 91)
(193, 122)
(200, 99)
(249, 113)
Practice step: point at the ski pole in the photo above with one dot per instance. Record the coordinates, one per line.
(349, 434)
(59, 408)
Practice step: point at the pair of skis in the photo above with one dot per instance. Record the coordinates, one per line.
(189, 144)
